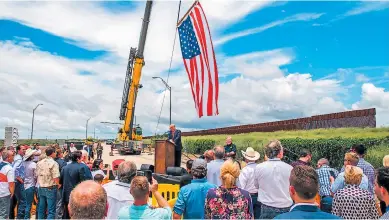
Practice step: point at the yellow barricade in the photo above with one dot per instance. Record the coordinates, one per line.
(168, 191)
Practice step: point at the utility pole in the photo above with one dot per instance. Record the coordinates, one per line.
(32, 124)
(86, 129)
(94, 133)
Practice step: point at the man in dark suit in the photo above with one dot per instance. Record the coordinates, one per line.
(71, 175)
(174, 136)
(304, 186)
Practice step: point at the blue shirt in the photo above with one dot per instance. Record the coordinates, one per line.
(18, 167)
(368, 170)
(386, 214)
(213, 171)
(191, 199)
(144, 212)
(305, 211)
(339, 183)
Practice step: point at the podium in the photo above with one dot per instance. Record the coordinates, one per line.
(164, 156)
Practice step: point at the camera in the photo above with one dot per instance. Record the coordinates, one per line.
(146, 173)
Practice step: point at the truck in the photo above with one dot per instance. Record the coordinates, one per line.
(129, 139)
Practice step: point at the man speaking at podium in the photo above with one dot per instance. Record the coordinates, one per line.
(174, 136)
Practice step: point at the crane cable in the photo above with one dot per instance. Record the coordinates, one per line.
(170, 66)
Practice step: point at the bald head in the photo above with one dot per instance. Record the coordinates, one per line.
(88, 201)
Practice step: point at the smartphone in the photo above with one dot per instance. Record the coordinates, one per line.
(147, 174)
(106, 165)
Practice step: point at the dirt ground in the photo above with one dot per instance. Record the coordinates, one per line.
(146, 157)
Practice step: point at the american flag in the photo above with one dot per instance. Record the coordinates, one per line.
(200, 61)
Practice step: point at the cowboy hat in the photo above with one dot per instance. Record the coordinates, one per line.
(28, 154)
(251, 154)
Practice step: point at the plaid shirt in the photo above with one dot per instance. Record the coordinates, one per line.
(368, 170)
(324, 173)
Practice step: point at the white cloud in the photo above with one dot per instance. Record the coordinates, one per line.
(377, 97)
(367, 6)
(92, 26)
(258, 64)
(263, 92)
(29, 76)
(361, 78)
(247, 32)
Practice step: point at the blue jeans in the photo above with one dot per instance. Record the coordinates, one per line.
(47, 199)
(268, 212)
(59, 205)
(5, 203)
(326, 204)
(29, 194)
(20, 196)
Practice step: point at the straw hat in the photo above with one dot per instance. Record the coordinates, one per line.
(251, 154)
(28, 153)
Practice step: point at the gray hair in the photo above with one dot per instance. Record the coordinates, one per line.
(273, 148)
(5, 154)
(126, 171)
(84, 153)
(219, 152)
(323, 161)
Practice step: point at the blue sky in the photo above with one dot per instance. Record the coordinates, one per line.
(319, 57)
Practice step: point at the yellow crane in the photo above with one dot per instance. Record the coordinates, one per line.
(130, 135)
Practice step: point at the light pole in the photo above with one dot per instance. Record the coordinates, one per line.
(170, 91)
(112, 123)
(33, 115)
(86, 129)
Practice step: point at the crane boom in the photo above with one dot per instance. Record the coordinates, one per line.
(132, 82)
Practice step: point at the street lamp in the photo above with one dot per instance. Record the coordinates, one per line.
(86, 129)
(33, 115)
(112, 123)
(170, 91)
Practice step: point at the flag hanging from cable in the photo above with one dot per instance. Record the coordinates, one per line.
(199, 60)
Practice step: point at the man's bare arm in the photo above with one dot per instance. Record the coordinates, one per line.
(12, 188)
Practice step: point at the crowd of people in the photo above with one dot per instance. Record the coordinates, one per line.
(72, 184)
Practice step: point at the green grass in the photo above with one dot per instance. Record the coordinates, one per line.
(305, 134)
(258, 140)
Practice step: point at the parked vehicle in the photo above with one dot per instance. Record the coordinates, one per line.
(131, 147)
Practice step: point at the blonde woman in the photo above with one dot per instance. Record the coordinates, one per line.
(352, 202)
(385, 161)
(228, 201)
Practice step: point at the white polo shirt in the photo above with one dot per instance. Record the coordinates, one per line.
(272, 181)
(118, 196)
(7, 176)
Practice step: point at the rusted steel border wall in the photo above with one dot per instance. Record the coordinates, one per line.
(356, 118)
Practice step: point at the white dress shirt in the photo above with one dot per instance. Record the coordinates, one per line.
(72, 149)
(118, 196)
(246, 178)
(272, 181)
